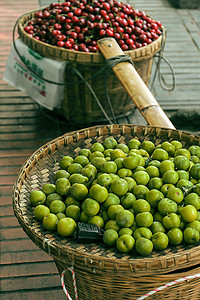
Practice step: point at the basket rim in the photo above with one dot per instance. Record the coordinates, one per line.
(142, 265)
(55, 52)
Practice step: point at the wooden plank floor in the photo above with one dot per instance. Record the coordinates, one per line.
(26, 271)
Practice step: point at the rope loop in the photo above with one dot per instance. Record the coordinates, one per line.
(71, 269)
(161, 58)
(168, 285)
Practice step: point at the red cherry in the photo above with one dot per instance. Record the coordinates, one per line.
(46, 14)
(124, 47)
(68, 45)
(154, 26)
(75, 47)
(60, 44)
(106, 6)
(129, 42)
(128, 30)
(109, 32)
(143, 37)
(117, 36)
(77, 11)
(57, 26)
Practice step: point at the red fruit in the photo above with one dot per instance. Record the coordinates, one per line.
(120, 30)
(138, 45)
(66, 9)
(106, 6)
(74, 35)
(57, 26)
(81, 22)
(149, 41)
(68, 27)
(128, 30)
(71, 40)
(76, 47)
(143, 37)
(39, 14)
(81, 6)
(56, 32)
(91, 17)
(154, 36)
(84, 21)
(89, 8)
(124, 47)
(75, 19)
(103, 12)
(70, 14)
(68, 3)
(132, 46)
(81, 37)
(115, 24)
(154, 26)
(109, 32)
(77, 29)
(117, 36)
(123, 22)
(68, 45)
(125, 36)
(129, 42)
(60, 44)
(46, 14)
(137, 31)
(77, 11)
(121, 42)
(98, 18)
(133, 37)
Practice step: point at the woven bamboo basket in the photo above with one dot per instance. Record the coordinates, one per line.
(79, 104)
(103, 273)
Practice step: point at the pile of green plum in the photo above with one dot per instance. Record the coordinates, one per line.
(142, 196)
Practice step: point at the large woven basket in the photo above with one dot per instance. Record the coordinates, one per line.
(79, 104)
(102, 273)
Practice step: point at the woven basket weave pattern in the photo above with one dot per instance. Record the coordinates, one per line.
(115, 273)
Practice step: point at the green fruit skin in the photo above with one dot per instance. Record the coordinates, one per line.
(110, 237)
(41, 211)
(37, 197)
(160, 240)
(175, 236)
(143, 246)
(66, 227)
(191, 236)
(125, 243)
(50, 222)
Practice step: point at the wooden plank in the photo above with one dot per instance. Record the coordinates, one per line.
(11, 170)
(49, 294)
(12, 161)
(29, 269)
(6, 200)
(6, 211)
(26, 256)
(9, 222)
(30, 283)
(17, 246)
(10, 234)
(13, 153)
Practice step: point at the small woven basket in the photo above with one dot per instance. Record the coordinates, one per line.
(103, 273)
(79, 104)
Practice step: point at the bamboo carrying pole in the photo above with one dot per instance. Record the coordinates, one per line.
(135, 86)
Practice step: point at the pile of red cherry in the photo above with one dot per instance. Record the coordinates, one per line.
(79, 24)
